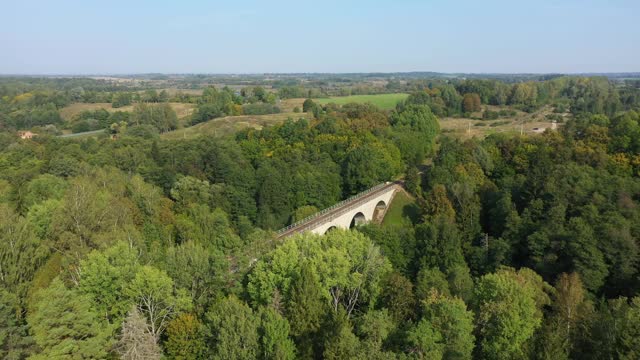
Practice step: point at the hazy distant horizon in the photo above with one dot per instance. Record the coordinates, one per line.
(315, 73)
(69, 37)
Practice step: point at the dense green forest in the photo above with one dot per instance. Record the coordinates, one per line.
(525, 247)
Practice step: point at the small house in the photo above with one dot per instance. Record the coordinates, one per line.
(26, 134)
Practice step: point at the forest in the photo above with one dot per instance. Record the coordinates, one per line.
(136, 246)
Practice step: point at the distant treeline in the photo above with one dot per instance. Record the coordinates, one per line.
(27, 102)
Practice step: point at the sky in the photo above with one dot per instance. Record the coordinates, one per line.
(286, 36)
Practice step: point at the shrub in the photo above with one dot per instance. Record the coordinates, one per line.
(498, 123)
(507, 113)
(490, 115)
(260, 109)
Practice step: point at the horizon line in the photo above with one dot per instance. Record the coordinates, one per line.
(310, 73)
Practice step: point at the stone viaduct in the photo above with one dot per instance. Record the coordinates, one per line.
(370, 205)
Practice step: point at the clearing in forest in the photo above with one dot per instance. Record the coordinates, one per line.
(402, 206)
(69, 112)
(230, 124)
(383, 101)
(520, 122)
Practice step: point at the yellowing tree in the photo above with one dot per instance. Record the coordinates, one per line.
(471, 102)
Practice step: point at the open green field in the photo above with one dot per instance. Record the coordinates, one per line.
(402, 206)
(230, 124)
(383, 101)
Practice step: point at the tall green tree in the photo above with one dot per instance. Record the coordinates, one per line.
(305, 310)
(415, 129)
(374, 327)
(561, 329)
(614, 331)
(425, 342)
(21, 252)
(398, 297)
(14, 342)
(439, 245)
(341, 342)
(586, 257)
(349, 267)
(450, 317)
(202, 271)
(370, 164)
(233, 330)
(507, 314)
(104, 278)
(274, 189)
(64, 325)
(274, 335)
(397, 242)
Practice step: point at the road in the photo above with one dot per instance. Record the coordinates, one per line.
(86, 133)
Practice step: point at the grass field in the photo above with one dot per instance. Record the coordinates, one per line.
(68, 112)
(230, 124)
(521, 122)
(383, 101)
(402, 206)
(287, 105)
(467, 128)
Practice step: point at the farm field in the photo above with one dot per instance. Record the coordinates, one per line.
(230, 124)
(383, 101)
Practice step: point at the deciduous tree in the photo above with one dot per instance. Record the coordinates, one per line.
(185, 338)
(136, 342)
(233, 330)
(507, 315)
(157, 300)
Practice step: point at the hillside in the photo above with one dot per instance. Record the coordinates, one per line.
(229, 124)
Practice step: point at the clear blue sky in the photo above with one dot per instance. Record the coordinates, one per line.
(246, 36)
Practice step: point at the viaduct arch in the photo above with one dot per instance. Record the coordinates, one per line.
(370, 205)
